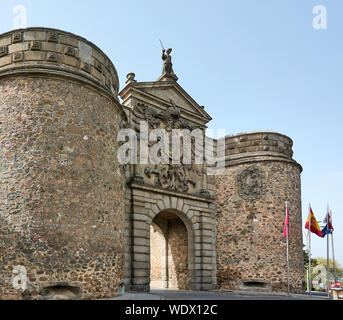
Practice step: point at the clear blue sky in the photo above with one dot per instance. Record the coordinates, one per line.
(255, 65)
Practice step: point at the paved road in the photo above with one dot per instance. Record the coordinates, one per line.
(157, 294)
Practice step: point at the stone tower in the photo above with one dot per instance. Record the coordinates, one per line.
(61, 190)
(260, 176)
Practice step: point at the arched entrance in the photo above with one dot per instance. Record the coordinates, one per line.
(171, 252)
(191, 217)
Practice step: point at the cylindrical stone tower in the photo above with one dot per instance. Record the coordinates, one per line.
(260, 176)
(62, 188)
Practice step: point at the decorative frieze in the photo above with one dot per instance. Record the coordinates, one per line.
(17, 37)
(171, 117)
(51, 57)
(69, 51)
(85, 67)
(3, 51)
(17, 57)
(108, 66)
(36, 45)
(108, 83)
(52, 37)
(172, 177)
(98, 65)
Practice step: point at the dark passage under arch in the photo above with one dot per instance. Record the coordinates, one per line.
(169, 252)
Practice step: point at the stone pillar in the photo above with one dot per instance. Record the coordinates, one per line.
(61, 190)
(260, 176)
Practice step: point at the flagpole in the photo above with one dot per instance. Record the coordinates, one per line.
(309, 249)
(287, 227)
(328, 250)
(333, 257)
(307, 282)
(333, 252)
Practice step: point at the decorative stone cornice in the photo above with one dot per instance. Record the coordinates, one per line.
(259, 146)
(183, 195)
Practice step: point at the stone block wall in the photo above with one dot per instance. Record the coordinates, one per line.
(157, 258)
(177, 255)
(169, 253)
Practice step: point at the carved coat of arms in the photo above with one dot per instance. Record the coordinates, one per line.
(250, 183)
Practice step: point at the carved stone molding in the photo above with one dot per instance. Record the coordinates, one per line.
(137, 179)
(35, 45)
(250, 183)
(172, 177)
(3, 51)
(18, 57)
(205, 194)
(171, 117)
(52, 37)
(69, 51)
(51, 57)
(17, 37)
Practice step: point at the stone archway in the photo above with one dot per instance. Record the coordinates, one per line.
(171, 251)
(198, 218)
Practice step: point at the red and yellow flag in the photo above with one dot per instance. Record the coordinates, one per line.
(314, 224)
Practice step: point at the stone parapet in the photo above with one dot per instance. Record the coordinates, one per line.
(272, 142)
(257, 147)
(56, 52)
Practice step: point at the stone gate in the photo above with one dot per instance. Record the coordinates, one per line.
(183, 191)
(93, 198)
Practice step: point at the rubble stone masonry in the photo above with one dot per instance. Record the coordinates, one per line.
(61, 188)
(250, 206)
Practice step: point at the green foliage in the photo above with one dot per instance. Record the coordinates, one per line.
(338, 267)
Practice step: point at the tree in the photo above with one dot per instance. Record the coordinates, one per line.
(338, 267)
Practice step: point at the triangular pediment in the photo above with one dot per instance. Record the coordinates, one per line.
(166, 93)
